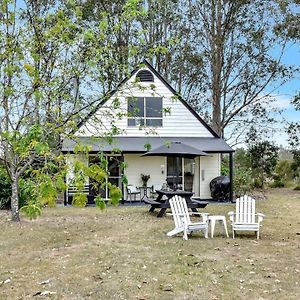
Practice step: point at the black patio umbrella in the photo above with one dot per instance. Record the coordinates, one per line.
(176, 149)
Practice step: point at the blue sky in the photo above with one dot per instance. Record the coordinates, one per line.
(285, 93)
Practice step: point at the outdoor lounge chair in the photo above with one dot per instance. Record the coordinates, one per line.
(132, 192)
(182, 219)
(245, 217)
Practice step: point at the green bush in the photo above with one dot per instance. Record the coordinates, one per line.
(263, 160)
(5, 188)
(80, 200)
(32, 209)
(277, 184)
(297, 182)
(25, 192)
(284, 170)
(225, 166)
(242, 181)
(278, 181)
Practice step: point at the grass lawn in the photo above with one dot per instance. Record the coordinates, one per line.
(124, 253)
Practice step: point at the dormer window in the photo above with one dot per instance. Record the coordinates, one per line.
(145, 111)
(145, 76)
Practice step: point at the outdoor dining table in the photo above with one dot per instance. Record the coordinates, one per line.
(144, 191)
(164, 204)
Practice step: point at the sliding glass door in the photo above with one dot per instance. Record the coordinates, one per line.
(180, 173)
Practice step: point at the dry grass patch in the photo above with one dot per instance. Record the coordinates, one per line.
(124, 253)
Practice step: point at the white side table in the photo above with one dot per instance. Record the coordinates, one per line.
(213, 219)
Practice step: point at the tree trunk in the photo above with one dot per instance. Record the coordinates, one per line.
(15, 199)
(217, 44)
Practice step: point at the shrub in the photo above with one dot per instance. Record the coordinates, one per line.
(297, 187)
(5, 188)
(32, 209)
(100, 203)
(25, 192)
(80, 200)
(224, 169)
(278, 183)
(284, 170)
(263, 159)
(115, 194)
(242, 181)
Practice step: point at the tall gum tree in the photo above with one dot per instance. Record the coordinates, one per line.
(290, 28)
(236, 41)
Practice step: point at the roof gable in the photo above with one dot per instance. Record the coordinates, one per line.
(145, 66)
(181, 99)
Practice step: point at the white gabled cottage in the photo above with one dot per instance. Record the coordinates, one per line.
(146, 110)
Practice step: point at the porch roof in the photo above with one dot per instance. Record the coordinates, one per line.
(137, 144)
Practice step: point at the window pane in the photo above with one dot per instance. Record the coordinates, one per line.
(136, 107)
(113, 167)
(174, 166)
(174, 172)
(153, 107)
(189, 168)
(154, 122)
(135, 122)
(131, 122)
(140, 122)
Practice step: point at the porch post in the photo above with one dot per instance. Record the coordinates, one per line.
(231, 176)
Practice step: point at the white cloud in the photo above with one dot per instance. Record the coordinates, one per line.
(281, 101)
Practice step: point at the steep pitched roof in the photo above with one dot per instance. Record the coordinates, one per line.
(156, 73)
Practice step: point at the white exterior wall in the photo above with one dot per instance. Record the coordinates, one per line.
(212, 168)
(179, 123)
(152, 166)
(138, 165)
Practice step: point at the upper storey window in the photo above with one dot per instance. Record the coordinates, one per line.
(145, 111)
(145, 76)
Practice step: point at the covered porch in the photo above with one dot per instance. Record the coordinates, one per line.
(194, 175)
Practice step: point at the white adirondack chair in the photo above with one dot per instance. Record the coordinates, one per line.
(182, 219)
(245, 217)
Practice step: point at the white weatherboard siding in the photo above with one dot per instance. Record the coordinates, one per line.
(179, 123)
(211, 166)
(138, 165)
(152, 166)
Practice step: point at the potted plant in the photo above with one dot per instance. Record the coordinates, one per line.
(145, 179)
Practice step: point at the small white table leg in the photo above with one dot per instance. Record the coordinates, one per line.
(225, 226)
(212, 227)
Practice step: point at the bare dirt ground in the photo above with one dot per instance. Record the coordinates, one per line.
(124, 253)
